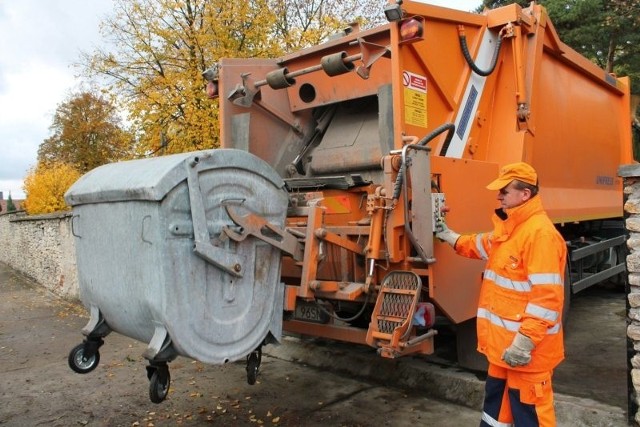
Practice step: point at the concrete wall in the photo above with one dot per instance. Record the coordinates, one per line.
(42, 248)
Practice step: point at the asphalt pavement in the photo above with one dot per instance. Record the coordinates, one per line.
(37, 387)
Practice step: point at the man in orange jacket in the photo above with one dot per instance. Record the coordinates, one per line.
(520, 306)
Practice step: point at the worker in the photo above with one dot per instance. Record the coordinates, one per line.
(519, 317)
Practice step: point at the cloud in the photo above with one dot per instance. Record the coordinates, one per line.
(13, 187)
(464, 5)
(39, 41)
(32, 94)
(53, 31)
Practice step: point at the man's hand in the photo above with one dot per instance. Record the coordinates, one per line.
(445, 234)
(519, 352)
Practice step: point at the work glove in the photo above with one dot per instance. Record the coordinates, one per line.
(445, 234)
(519, 352)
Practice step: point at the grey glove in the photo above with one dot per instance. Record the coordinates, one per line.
(445, 234)
(519, 352)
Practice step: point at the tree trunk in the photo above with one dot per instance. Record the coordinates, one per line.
(611, 54)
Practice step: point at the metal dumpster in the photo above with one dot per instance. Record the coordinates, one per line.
(155, 262)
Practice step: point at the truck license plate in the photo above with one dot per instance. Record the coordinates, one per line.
(310, 312)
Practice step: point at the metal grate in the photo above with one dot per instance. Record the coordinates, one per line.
(398, 292)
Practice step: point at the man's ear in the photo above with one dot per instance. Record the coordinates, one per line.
(526, 194)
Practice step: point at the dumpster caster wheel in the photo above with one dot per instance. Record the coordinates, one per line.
(159, 381)
(80, 363)
(253, 365)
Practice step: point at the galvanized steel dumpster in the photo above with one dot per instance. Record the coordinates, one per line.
(155, 264)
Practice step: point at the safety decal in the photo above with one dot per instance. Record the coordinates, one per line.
(415, 99)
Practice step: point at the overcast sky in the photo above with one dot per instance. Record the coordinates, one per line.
(39, 42)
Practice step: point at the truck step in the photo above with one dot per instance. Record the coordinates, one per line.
(396, 303)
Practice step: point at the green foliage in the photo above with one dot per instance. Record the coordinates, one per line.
(608, 32)
(492, 4)
(11, 207)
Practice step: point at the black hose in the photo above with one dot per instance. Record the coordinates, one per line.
(347, 320)
(397, 187)
(474, 67)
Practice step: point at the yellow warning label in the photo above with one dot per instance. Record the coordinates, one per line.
(415, 107)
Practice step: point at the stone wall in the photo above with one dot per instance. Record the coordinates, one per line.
(631, 175)
(42, 248)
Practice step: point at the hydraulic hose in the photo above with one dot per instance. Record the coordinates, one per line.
(350, 319)
(465, 51)
(450, 127)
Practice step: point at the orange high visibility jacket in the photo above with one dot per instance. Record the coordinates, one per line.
(523, 284)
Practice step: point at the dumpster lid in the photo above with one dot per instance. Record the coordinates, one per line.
(152, 178)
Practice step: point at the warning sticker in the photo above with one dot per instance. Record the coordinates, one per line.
(415, 99)
(337, 204)
(414, 81)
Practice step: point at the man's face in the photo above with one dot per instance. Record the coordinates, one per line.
(510, 196)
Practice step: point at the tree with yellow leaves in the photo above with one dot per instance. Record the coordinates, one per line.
(304, 23)
(45, 186)
(87, 133)
(161, 47)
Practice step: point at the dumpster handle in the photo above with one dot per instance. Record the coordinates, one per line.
(230, 263)
(255, 225)
(145, 220)
(73, 230)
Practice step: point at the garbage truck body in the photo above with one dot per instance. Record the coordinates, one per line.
(371, 132)
(317, 215)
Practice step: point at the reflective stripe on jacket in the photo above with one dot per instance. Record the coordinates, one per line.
(522, 288)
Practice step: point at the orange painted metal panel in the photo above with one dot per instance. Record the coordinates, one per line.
(455, 281)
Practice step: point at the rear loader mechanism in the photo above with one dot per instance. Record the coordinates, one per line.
(386, 305)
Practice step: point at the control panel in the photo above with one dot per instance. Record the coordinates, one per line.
(438, 205)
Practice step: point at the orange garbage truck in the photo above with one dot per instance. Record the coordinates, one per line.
(372, 130)
(316, 216)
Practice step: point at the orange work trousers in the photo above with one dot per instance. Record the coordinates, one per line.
(516, 398)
